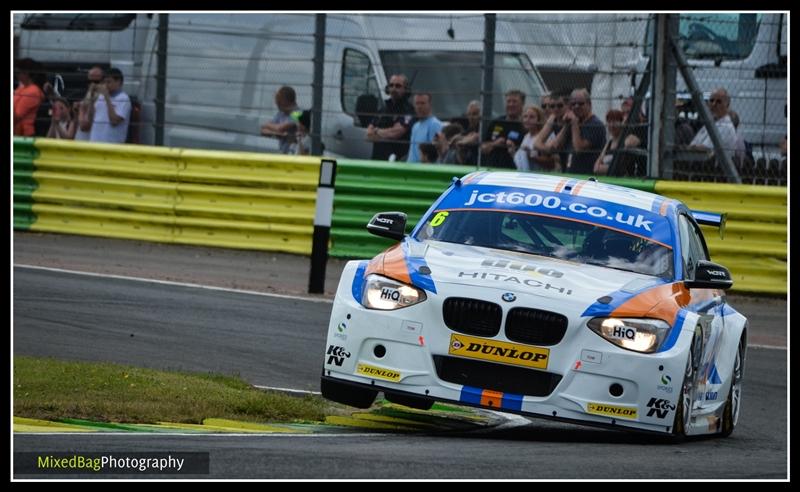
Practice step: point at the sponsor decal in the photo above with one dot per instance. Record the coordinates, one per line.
(340, 331)
(522, 267)
(384, 220)
(337, 355)
(509, 297)
(553, 202)
(665, 385)
(438, 219)
(659, 407)
(378, 372)
(496, 351)
(623, 333)
(612, 411)
(711, 395)
(716, 273)
(389, 294)
(514, 280)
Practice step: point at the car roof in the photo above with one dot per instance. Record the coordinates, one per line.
(597, 190)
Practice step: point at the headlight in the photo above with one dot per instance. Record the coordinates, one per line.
(386, 294)
(637, 334)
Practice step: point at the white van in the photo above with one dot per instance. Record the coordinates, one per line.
(223, 69)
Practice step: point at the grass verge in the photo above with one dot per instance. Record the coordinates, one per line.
(50, 389)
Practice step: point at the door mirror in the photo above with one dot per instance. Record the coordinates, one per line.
(708, 275)
(388, 224)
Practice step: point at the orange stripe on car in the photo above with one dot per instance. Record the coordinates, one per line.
(663, 209)
(662, 302)
(491, 398)
(577, 189)
(561, 184)
(391, 263)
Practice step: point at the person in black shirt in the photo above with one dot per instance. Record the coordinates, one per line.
(494, 148)
(391, 131)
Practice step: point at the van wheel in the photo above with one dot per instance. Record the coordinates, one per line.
(418, 402)
(347, 394)
(730, 415)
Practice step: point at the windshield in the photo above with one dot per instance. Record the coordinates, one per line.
(79, 22)
(549, 236)
(726, 36)
(454, 77)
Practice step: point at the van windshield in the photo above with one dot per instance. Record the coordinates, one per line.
(726, 36)
(78, 22)
(454, 77)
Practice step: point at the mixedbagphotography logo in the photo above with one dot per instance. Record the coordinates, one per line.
(111, 463)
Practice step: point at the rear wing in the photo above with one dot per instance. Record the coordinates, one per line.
(711, 219)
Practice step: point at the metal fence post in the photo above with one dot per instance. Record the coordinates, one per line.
(161, 77)
(316, 96)
(487, 84)
(704, 112)
(322, 226)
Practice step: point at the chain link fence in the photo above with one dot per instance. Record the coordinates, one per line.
(223, 72)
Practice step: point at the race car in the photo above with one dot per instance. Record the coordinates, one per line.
(547, 297)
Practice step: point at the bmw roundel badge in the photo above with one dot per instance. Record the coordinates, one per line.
(509, 297)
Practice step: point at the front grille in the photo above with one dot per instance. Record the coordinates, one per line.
(471, 316)
(535, 326)
(497, 377)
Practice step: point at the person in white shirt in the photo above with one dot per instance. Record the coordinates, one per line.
(719, 104)
(112, 110)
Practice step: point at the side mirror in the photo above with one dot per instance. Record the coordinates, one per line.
(388, 224)
(708, 275)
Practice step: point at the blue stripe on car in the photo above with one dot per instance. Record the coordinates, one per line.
(414, 263)
(674, 332)
(470, 394)
(358, 281)
(512, 402)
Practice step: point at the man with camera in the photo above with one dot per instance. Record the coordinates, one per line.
(112, 110)
(85, 108)
(391, 130)
(508, 127)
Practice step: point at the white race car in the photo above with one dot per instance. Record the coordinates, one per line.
(548, 297)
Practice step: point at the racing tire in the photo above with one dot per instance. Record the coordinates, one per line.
(733, 405)
(683, 412)
(347, 394)
(417, 402)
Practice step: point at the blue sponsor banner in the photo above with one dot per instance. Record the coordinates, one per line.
(632, 220)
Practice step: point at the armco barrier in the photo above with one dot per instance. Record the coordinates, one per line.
(754, 246)
(364, 188)
(229, 199)
(24, 184)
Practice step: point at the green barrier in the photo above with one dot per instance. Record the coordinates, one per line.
(24, 183)
(364, 188)
(754, 247)
(212, 198)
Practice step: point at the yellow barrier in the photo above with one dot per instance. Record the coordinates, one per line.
(228, 199)
(754, 247)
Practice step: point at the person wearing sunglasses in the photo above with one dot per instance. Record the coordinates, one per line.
(719, 105)
(390, 131)
(546, 143)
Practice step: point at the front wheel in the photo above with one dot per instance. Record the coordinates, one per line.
(730, 415)
(683, 413)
